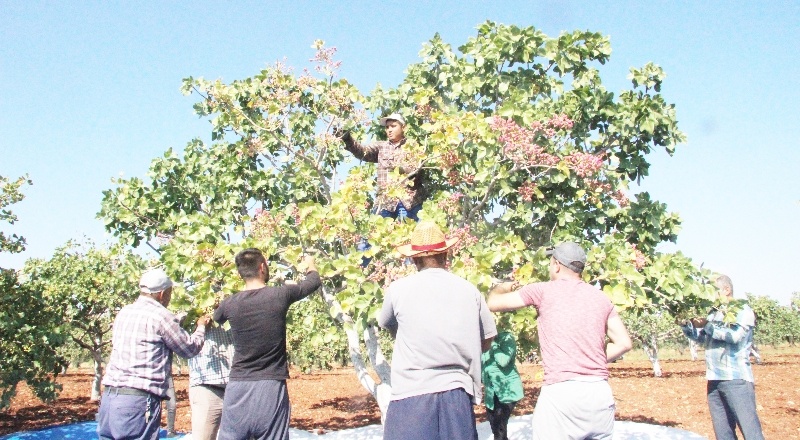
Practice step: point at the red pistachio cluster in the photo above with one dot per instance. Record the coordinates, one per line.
(560, 122)
(639, 259)
(266, 224)
(526, 191)
(605, 187)
(324, 59)
(383, 273)
(423, 111)
(305, 80)
(585, 164)
(520, 143)
(337, 98)
(451, 205)
(466, 239)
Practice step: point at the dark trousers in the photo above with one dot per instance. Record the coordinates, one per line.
(731, 403)
(498, 418)
(124, 416)
(257, 409)
(437, 416)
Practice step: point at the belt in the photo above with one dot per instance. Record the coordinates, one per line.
(133, 392)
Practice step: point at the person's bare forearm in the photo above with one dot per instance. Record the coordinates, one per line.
(619, 341)
(503, 297)
(614, 351)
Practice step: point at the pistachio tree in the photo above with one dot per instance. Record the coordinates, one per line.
(11, 193)
(30, 331)
(86, 285)
(521, 143)
(650, 330)
(775, 323)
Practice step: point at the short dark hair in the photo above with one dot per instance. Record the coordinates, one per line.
(436, 260)
(248, 261)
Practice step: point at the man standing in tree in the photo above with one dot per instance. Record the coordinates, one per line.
(144, 337)
(731, 392)
(441, 324)
(256, 403)
(574, 320)
(390, 155)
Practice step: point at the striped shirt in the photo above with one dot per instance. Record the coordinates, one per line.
(727, 345)
(389, 156)
(212, 366)
(145, 335)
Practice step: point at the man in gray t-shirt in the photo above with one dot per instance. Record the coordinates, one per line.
(441, 324)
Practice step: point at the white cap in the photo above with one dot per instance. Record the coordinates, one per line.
(154, 281)
(393, 117)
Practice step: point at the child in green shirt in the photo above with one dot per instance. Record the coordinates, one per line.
(501, 382)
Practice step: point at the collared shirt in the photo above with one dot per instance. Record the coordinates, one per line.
(212, 366)
(727, 345)
(145, 335)
(389, 156)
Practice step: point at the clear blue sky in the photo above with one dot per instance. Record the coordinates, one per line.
(90, 90)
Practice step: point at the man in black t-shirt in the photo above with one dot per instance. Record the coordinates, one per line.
(256, 403)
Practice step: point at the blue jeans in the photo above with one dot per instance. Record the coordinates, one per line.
(129, 417)
(400, 213)
(733, 402)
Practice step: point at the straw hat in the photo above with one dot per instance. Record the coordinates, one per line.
(427, 239)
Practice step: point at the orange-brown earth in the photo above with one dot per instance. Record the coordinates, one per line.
(333, 400)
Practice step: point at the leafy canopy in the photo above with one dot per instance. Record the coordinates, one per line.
(30, 331)
(522, 144)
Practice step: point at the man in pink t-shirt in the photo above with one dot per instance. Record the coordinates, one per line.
(574, 320)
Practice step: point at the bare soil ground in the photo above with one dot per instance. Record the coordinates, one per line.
(333, 400)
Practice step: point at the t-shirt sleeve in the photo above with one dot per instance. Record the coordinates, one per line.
(181, 342)
(386, 318)
(532, 294)
(305, 287)
(219, 314)
(488, 327)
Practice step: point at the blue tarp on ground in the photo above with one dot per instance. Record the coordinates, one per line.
(519, 428)
(74, 431)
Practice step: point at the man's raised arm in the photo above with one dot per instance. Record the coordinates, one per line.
(365, 152)
(503, 298)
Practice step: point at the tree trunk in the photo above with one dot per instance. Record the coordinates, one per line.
(693, 349)
(652, 353)
(382, 368)
(98, 374)
(380, 391)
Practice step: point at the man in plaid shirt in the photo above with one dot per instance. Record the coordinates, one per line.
(731, 392)
(209, 372)
(144, 337)
(389, 155)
